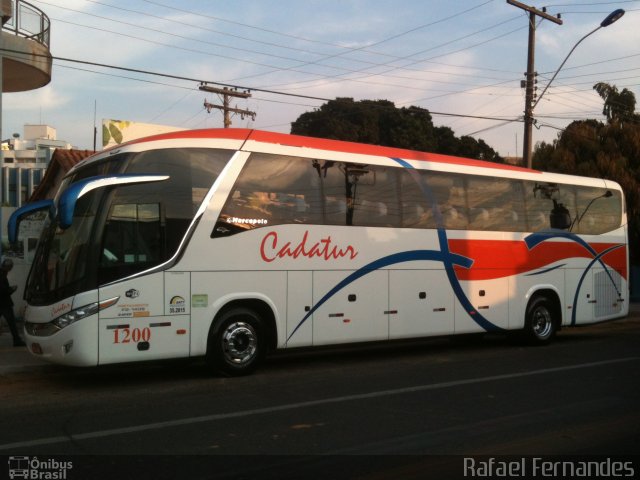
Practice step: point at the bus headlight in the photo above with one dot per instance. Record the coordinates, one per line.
(74, 315)
(54, 326)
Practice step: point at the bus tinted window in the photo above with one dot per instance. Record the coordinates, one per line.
(338, 210)
(417, 210)
(538, 206)
(496, 204)
(449, 193)
(361, 195)
(272, 190)
(376, 196)
(588, 210)
(276, 190)
(598, 210)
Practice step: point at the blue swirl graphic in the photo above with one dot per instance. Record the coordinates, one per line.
(409, 256)
(448, 259)
(537, 238)
(444, 248)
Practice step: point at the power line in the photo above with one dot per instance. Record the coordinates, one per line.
(415, 62)
(199, 27)
(291, 69)
(165, 75)
(347, 50)
(204, 81)
(301, 62)
(171, 34)
(295, 69)
(319, 41)
(393, 37)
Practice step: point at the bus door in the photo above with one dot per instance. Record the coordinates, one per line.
(151, 319)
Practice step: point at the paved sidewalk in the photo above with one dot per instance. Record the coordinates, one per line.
(18, 359)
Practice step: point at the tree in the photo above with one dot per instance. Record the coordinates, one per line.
(603, 150)
(618, 106)
(380, 122)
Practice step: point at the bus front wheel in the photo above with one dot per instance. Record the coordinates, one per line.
(540, 323)
(237, 345)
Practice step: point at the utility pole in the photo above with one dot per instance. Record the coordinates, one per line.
(527, 146)
(226, 94)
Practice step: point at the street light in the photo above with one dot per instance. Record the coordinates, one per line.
(611, 18)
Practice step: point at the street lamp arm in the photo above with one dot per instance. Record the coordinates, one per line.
(611, 18)
(562, 65)
(529, 104)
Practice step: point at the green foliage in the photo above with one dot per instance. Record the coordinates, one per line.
(618, 106)
(380, 122)
(603, 150)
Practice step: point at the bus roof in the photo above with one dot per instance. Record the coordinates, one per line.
(269, 142)
(288, 140)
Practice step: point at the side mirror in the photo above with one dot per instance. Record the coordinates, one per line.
(69, 198)
(28, 209)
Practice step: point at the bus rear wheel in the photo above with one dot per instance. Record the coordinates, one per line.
(237, 345)
(540, 323)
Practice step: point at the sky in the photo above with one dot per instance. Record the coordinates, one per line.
(459, 59)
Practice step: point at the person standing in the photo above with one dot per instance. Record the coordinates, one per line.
(6, 304)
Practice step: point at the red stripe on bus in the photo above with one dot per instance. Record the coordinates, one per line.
(366, 149)
(224, 133)
(326, 144)
(502, 258)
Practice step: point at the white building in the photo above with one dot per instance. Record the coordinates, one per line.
(23, 165)
(25, 161)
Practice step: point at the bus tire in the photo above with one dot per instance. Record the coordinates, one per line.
(540, 323)
(237, 344)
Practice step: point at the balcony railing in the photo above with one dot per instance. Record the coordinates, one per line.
(29, 22)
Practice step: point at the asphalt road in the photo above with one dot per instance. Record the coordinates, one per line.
(471, 396)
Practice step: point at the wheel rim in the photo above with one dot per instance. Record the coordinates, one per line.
(239, 343)
(542, 323)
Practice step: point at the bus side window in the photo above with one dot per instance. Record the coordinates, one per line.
(133, 236)
(495, 204)
(598, 210)
(360, 195)
(537, 207)
(376, 198)
(449, 193)
(417, 211)
(338, 208)
(271, 190)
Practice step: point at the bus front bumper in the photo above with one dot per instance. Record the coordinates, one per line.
(75, 345)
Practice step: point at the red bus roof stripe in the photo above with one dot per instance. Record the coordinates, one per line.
(327, 144)
(227, 133)
(366, 149)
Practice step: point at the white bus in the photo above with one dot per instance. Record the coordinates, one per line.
(230, 243)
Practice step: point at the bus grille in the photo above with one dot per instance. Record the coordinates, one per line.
(606, 293)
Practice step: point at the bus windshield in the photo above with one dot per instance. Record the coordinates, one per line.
(122, 230)
(61, 259)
